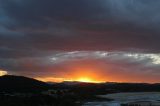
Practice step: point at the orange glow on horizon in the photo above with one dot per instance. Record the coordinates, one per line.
(87, 80)
(59, 80)
(87, 76)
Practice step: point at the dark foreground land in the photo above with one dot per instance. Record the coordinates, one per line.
(22, 91)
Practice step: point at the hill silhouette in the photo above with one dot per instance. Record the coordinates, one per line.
(10, 83)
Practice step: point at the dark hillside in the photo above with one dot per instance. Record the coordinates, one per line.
(9, 83)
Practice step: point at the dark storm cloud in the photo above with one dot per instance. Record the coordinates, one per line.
(34, 31)
(86, 24)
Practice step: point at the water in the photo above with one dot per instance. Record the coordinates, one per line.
(120, 98)
(102, 104)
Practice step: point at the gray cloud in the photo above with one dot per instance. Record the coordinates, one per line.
(63, 63)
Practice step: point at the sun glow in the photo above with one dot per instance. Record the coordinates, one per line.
(86, 75)
(85, 79)
(88, 80)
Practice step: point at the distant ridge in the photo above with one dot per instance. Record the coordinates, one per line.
(10, 83)
(113, 87)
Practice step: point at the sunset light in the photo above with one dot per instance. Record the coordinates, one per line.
(59, 80)
(82, 74)
(87, 80)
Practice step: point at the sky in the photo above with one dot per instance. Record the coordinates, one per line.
(100, 40)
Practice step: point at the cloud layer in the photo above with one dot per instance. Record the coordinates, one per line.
(80, 25)
(109, 66)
